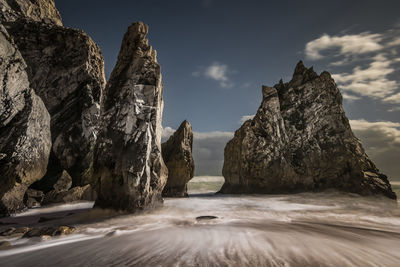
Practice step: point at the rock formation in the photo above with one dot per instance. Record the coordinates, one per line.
(77, 193)
(37, 10)
(66, 69)
(33, 198)
(300, 140)
(128, 165)
(25, 139)
(177, 155)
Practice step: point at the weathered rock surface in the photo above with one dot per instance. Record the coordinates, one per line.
(33, 198)
(128, 164)
(300, 140)
(25, 139)
(177, 155)
(50, 231)
(66, 69)
(38, 10)
(77, 193)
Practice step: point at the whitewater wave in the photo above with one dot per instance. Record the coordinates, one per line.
(324, 229)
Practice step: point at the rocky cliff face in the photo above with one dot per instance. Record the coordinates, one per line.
(25, 139)
(177, 155)
(127, 159)
(66, 69)
(300, 140)
(37, 10)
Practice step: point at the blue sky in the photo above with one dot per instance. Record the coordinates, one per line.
(216, 54)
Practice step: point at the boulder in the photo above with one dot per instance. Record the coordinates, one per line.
(177, 155)
(25, 139)
(300, 140)
(128, 164)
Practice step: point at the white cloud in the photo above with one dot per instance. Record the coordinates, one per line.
(347, 44)
(350, 98)
(390, 129)
(394, 42)
(245, 118)
(381, 141)
(394, 99)
(214, 134)
(166, 133)
(217, 72)
(372, 81)
(377, 78)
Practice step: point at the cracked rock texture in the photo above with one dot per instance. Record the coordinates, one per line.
(300, 140)
(128, 165)
(38, 10)
(25, 139)
(177, 155)
(66, 69)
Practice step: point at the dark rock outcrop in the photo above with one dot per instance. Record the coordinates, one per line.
(300, 140)
(64, 183)
(66, 69)
(25, 139)
(128, 165)
(177, 155)
(33, 198)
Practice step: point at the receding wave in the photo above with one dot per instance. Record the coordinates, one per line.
(324, 229)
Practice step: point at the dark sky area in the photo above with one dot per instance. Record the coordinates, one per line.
(216, 54)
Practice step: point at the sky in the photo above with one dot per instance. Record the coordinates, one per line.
(216, 54)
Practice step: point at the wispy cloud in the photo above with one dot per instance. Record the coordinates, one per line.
(347, 44)
(394, 99)
(166, 133)
(372, 81)
(350, 98)
(395, 42)
(389, 129)
(217, 72)
(372, 57)
(381, 141)
(245, 118)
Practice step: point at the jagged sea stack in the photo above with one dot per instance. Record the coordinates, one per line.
(300, 140)
(128, 165)
(25, 139)
(66, 69)
(177, 154)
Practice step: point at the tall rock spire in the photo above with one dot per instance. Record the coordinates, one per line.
(128, 165)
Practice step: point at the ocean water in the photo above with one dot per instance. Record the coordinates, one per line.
(324, 229)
